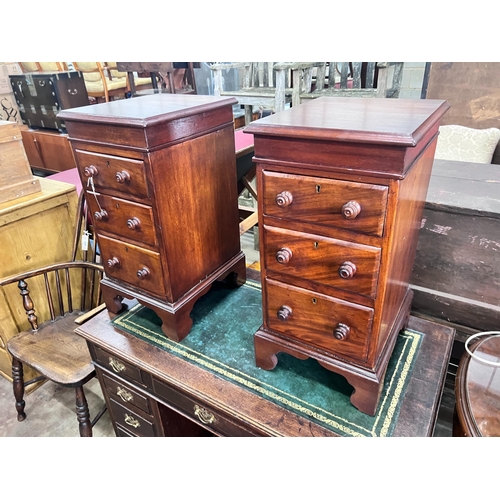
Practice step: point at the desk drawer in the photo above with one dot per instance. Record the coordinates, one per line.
(199, 411)
(328, 323)
(131, 421)
(118, 389)
(113, 174)
(331, 262)
(123, 218)
(347, 205)
(137, 266)
(118, 365)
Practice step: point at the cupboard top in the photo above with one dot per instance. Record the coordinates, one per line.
(402, 122)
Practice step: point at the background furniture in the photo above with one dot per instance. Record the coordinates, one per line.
(100, 82)
(172, 396)
(40, 96)
(342, 185)
(459, 143)
(344, 79)
(51, 347)
(16, 179)
(456, 273)
(48, 151)
(471, 88)
(162, 198)
(264, 84)
(53, 209)
(477, 391)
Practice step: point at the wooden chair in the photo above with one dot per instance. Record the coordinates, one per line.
(344, 79)
(100, 82)
(265, 84)
(66, 294)
(32, 67)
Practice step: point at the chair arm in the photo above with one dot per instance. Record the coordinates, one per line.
(296, 65)
(221, 66)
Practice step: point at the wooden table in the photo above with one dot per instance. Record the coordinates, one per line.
(477, 391)
(244, 413)
(455, 277)
(35, 230)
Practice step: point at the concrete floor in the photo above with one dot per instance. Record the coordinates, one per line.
(50, 409)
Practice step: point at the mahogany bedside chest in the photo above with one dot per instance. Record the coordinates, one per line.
(342, 183)
(160, 178)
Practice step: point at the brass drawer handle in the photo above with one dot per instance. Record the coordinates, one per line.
(284, 199)
(351, 209)
(204, 415)
(347, 270)
(124, 394)
(116, 365)
(341, 331)
(129, 420)
(284, 255)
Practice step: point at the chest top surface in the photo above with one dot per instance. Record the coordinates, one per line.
(402, 122)
(147, 110)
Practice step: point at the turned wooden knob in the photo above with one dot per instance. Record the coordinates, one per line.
(122, 177)
(284, 313)
(113, 262)
(134, 223)
(341, 331)
(90, 171)
(284, 199)
(101, 215)
(143, 273)
(351, 209)
(284, 255)
(347, 270)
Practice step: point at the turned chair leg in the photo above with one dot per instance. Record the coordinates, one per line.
(82, 413)
(18, 386)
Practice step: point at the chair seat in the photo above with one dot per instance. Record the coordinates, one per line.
(59, 354)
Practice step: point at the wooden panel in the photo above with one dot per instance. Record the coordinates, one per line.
(118, 389)
(48, 151)
(132, 421)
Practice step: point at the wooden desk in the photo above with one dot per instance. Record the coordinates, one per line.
(239, 412)
(35, 230)
(456, 277)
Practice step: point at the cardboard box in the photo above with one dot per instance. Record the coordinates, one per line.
(7, 69)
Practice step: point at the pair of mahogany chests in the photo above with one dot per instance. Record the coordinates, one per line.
(342, 184)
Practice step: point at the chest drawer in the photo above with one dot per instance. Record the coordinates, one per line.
(335, 263)
(118, 365)
(114, 175)
(131, 421)
(132, 264)
(123, 218)
(348, 205)
(202, 413)
(119, 390)
(326, 322)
